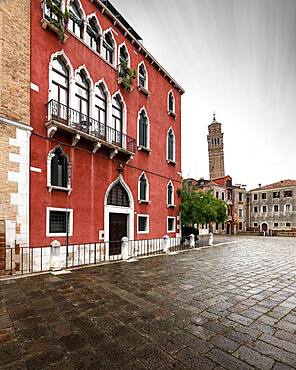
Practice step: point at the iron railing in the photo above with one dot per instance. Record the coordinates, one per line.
(85, 124)
(27, 260)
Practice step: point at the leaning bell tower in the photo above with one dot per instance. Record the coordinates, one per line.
(215, 149)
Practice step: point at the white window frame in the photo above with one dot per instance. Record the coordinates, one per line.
(110, 29)
(69, 210)
(274, 207)
(123, 44)
(254, 197)
(147, 189)
(255, 224)
(254, 209)
(146, 81)
(262, 208)
(242, 212)
(171, 231)
(83, 17)
(291, 207)
(49, 159)
(173, 112)
(148, 224)
(288, 223)
(173, 195)
(278, 225)
(140, 147)
(90, 16)
(167, 147)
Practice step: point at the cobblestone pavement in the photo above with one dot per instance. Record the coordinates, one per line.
(231, 306)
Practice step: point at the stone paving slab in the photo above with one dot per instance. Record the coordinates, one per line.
(228, 307)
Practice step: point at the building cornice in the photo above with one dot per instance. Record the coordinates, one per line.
(140, 47)
(18, 124)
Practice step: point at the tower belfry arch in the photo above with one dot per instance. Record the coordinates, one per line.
(216, 149)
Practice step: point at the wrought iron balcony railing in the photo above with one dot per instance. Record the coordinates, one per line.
(84, 124)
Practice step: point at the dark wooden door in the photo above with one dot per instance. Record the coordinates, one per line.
(228, 230)
(117, 230)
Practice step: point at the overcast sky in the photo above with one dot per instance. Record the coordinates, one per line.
(237, 57)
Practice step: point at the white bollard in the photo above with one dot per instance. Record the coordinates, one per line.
(211, 239)
(125, 248)
(55, 256)
(192, 241)
(166, 244)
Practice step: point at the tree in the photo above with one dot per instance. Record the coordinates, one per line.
(198, 207)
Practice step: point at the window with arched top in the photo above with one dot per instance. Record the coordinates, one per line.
(49, 12)
(171, 102)
(59, 169)
(82, 94)
(117, 119)
(170, 194)
(143, 130)
(108, 47)
(123, 55)
(100, 113)
(75, 23)
(118, 196)
(142, 76)
(171, 146)
(60, 83)
(143, 188)
(93, 36)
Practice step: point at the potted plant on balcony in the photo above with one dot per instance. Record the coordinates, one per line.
(56, 18)
(126, 75)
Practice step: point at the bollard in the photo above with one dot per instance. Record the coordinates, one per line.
(192, 241)
(211, 239)
(125, 248)
(55, 256)
(166, 244)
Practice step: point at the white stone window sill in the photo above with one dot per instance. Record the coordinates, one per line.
(144, 149)
(172, 113)
(141, 201)
(171, 206)
(169, 161)
(52, 187)
(144, 91)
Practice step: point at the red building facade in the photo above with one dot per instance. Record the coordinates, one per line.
(105, 152)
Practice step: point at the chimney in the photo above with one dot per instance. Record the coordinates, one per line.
(259, 185)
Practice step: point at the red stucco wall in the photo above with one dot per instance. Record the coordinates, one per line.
(93, 173)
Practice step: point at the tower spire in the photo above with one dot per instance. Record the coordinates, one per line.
(214, 116)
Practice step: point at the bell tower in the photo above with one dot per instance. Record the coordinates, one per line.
(215, 149)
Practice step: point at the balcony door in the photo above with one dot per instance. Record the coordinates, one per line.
(81, 116)
(117, 121)
(60, 90)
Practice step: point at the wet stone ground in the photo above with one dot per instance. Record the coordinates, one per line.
(231, 306)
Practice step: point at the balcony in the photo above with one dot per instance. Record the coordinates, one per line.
(126, 76)
(54, 19)
(79, 126)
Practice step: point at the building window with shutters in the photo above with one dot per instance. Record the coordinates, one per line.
(143, 189)
(170, 195)
(59, 221)
(143, 131)
(171, 146)
(58, 168)
(143, 224)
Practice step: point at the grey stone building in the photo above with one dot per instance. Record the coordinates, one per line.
(272, 208)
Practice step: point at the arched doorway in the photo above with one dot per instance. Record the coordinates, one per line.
(119, 216)
(264, 227)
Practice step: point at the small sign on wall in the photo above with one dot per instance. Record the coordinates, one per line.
(101, 235)
(203, 231)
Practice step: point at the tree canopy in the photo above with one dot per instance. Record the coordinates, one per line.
(198, 207)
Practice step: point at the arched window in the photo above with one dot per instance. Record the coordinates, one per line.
(49, 13)
(59, 169)
(118, 196)
(123, 55)
(171, 146)
(82, 99)
(143, 188)
(143, 130)
(93, 37)
(143, 76)
(75, 23)
(117, 120)
(60, 83)
(170, 194)
(108, 47)
(171, 102)
(101, 111)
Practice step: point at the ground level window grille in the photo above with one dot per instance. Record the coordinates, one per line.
(58, 221)
(142, 223)
(171, 224)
